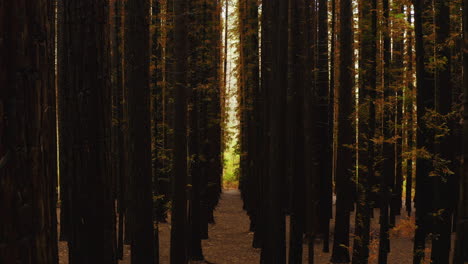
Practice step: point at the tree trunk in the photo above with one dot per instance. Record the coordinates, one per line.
(424, 102)
(299, 48)
(409, 95)
(388, 168)
(325, 124)
(274, 81)
(137, 79)
(178, 253)
(345, 154)
(461, 244)
(367, 95)
(27, 133)
(443, 146)
(87, 109)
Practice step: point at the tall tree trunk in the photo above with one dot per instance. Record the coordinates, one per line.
(178, 253)
(345, 155)
(409, 95)
(137, 79)
(85, 78)
(331, 120)
(64, 133)
(388, 168)
(397, 85)
(249, 89)
(424, 102)
(367, 95)
(443, 146)
(274, 81)
(118, 91)
(27, 133)
(298, 61)
(160, 203)
(325, 123)
(461, 244)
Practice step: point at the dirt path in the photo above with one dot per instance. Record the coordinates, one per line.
(230, 240)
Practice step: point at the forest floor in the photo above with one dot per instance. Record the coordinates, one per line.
(230, 240)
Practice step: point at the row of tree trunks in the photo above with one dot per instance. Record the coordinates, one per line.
(204, 124)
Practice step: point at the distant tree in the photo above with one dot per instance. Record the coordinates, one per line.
(28, 168)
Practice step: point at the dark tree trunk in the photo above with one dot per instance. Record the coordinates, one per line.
(203, 82)
(195, 247)
(409, 94)
(274, 82)
(137, 79)
(27, 133)
(325, 123)
(345, 154)
(388, 168)
(249, 89)
(367, 95)
(87, 108)
(118, 90)
(331, 129)
(424, 98)
(461, 244)
(64, 133)
(178, 253)
(398, 83)
(159, 202)
(298, 61)
(443, 146)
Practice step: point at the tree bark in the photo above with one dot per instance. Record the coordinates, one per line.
(461, 244)
(137, 80)
(28, 166)
(178, 252)
(274, 82)
(345, 154)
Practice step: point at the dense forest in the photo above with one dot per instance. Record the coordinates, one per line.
(348, 120)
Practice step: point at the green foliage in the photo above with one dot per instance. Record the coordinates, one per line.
(231, 166)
